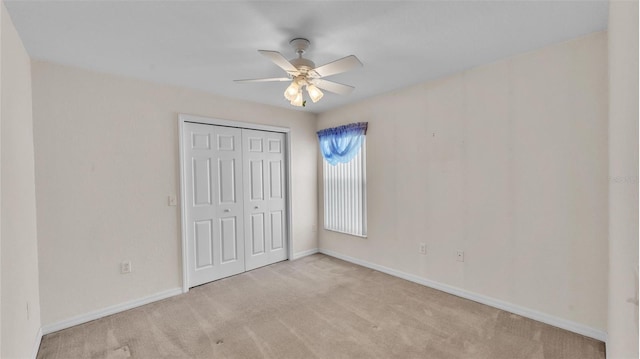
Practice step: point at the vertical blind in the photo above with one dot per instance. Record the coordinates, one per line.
(344, 176)
(345, 196)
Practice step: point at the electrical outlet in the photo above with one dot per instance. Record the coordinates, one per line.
(460, 256)
(173, 201)
(423, 248)
(125, 267)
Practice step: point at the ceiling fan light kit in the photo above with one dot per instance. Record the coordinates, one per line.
(294, 91)
(303, 73)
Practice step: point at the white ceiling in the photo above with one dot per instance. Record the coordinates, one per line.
(207, 44)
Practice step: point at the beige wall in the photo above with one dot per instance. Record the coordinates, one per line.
(623, 180)
(18, 201)
(106, 150)
(507, 162)
(2, 10)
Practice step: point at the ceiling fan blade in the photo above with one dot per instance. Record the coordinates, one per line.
(339, 66)
(334, 87)
(279, 60)
(271, 79)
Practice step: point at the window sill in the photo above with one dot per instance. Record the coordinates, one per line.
(347, 233)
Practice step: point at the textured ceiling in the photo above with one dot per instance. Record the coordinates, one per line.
(207, 44)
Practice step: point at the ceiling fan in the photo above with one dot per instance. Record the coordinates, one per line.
(304, 73)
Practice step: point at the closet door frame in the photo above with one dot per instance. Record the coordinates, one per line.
(182, 119)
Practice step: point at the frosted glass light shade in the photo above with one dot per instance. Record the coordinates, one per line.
(291, 91)
(314, 93)
(297, 101)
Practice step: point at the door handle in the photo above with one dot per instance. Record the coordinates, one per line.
(227, 210)
(256, 207)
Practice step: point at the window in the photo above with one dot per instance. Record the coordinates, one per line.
(344, 178)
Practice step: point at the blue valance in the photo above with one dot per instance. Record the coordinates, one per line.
(341, 144)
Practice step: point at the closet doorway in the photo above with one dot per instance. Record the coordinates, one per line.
(235, 197)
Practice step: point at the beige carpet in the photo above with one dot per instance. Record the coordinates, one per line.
(316, 307)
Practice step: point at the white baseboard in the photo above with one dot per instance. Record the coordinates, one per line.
(309, 252)
(492, 302)
(36, 346)
(97, 314)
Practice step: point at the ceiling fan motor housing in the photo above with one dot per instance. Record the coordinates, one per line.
(301, 45)
(302, 64)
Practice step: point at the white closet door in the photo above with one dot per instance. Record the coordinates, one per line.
(214, 202)
(264, 201)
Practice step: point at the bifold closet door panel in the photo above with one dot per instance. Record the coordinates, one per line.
(264, 202)
(214, 202)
